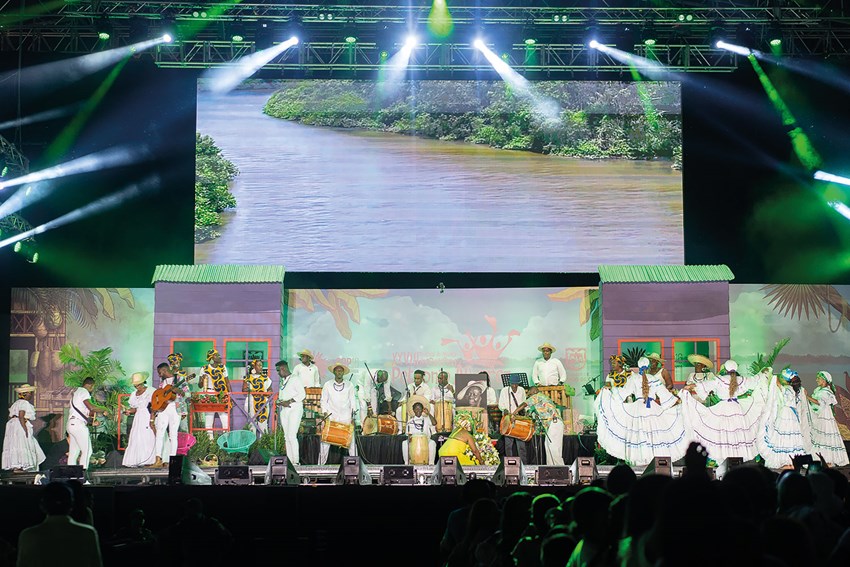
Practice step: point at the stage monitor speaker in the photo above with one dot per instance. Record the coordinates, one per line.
(175, 469)
(352, 470)
(510, 472)
(234, 475)
(659, 465)
(281, 471)
(725, 466)
(68, 472)
(583, 470)
(554, 475)
(448, 472)
(398, 474)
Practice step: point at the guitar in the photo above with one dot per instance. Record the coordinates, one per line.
(163, 396)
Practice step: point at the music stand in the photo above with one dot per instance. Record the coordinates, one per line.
(523, 379)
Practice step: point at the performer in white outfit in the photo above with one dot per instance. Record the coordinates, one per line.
(340, 405)
(290, 400)
(656, 369)
(651, 426)
(141, 444)
(421, 423)
(417, 388)
(785, 429)
(166, 421)
(214, 381)
(21, 451)
(512, 401)
(721, 413)
(702, 369)
(81, 409)
(548, 371)
(549, 418)
(492, 396)
(257, 406)
(826, 439)
(306, 371)
(442, 392)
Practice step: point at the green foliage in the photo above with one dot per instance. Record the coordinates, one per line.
(270, 444)
(205, 446)
(763, 361)
(97, 364)
(598, 120)
(595, 314)
(633, 355)
(213, 174)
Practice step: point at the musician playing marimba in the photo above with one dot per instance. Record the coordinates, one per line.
(549, 371)
(511, 402)
(339, 406)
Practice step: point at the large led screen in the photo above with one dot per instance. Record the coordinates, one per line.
(439, 176)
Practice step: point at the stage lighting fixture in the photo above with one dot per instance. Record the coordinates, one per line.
(591, 34)
(167, 38)
(478, 43)
(411, 41)
(103, 28)
(529, 35)
(716, 33)
(775, 42)
(593, 44)
(740, 50)
(648, 34)
(745, 36)
(237, 31)
(685, 18)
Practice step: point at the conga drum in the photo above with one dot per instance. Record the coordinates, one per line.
(336, 433)
(417, 448)
(370, 425)
(522, 428)
(444, 414)
(386, 425)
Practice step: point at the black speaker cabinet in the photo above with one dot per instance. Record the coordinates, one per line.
(281, 471)
(68, 472)
(234, 475)
(659, 465)
(398, 474)
(553, 475)
(584, 470)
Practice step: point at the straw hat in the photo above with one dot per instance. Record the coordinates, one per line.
(655, 356)
(546, 345)
(479, 384)
(25, 389)
(413, 400)
(139, 378)
(345, 369)
(694, 358)
(306, 352)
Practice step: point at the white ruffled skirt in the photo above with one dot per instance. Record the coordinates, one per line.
(636, 434)
(826, 439)
(21, 451)
(784, 434)
(726, 429)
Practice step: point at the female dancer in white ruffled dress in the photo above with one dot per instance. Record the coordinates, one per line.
(826, 439)
(141, 445)
(636, 431)
(21, 451)
(722, 414)
(785, 429)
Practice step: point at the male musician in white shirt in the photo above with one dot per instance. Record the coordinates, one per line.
(549, 371)
(306, 371)
(166, 420)
(339, 405)
(79, 439)
(290, 400)
(419, 387)
(421, 423)
(511, 400)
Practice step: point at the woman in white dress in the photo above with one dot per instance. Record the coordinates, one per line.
(722, 414)
(826, 439)
(141, 446)
(21, 451)
(650, 426)
(785, 429)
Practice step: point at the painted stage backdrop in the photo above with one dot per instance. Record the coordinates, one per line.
(462, 331)
(816, 319)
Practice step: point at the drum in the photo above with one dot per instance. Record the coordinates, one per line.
(336, 433)
(444, 414)
(495, 416)
(478, 415)
(556, 394)
(380, 425)
(313, 399)
(522, 428)
(417, 448)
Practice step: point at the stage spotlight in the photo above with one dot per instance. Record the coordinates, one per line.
(591, 34)
(593, 44)
(717, 33)
(824, 176)
(682, 18)
(648, 34)
(529, 35)
(167, 38)
(740, 50)
(103, 28)
(237, 32)
(478, 43)
(411, 41)
(775, 42)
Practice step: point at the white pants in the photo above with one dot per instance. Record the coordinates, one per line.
(209, 419)
(555, 444)
(167, 419)
(325, 447)
(79, 442)
(263, 426)
(432, 451)
(290, 421)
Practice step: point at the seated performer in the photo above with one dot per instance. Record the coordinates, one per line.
(512, 402)
(549, 371)
(214, 380)
(257, 407)
(306, 371)
(785, 429)
(21, 451)
(422, 423)
(141, 443)
(547, 413)
(826, 439)
(290, 400)
(722, 414)
(636, 431)
(339, 405)
(166, 421)
(461, 443)
(657, 370)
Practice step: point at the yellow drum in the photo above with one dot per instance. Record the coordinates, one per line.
(417, 448)
(521, 428)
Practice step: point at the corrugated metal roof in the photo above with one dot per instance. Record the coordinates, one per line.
(219, 273)
(662, 274)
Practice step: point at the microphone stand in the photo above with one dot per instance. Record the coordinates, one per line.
(407, 398)
(538, 422)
